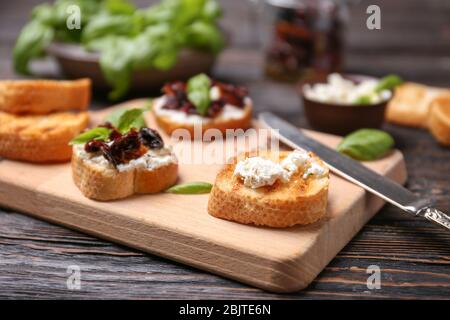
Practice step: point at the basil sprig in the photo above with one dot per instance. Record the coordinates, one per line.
(366, 144)
(386, 83)
(124, 120)
(191, 188)
(98, 133)
(198, 92)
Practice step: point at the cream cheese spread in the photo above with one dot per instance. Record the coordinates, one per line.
(342, 91)
(152, 159)
(258, 172)
(229, 111)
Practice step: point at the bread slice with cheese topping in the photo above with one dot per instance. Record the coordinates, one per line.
(169, 121)
(299, 201)
(100, 181)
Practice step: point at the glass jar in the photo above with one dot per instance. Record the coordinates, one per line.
(302, 37)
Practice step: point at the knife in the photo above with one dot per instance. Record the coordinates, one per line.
(355, 172)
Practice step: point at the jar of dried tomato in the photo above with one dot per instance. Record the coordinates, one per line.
(302, 37)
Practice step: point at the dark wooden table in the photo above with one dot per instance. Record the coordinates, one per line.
(414, 256)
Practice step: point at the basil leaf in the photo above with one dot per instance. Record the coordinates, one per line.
(98, 133)
(33, 39)
(366, 144)
(363, 100)
(104, 25)
(120, 7)
(204, 35)
(132, 118)
(191, 188)
(388, 83)
(115, 116)
(127, 38)
(198, 92)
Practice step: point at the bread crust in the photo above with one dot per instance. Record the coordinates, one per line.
(410, 105)
(44, 96)
(40, 138)
(169, 126)
(297, 202)
(439, 122)
(104, 184)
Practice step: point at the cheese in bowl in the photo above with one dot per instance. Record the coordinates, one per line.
(344, 91)
(341, 104)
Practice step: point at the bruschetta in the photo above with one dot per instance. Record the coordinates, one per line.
(223, 106)
(274, 189)
(40, 138)
(44, 96)
(411, 103)
(113, 165)
(439, 121)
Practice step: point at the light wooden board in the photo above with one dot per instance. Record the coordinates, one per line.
(178, 227)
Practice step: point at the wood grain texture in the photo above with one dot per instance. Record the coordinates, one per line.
(413, 255)
(178, 226)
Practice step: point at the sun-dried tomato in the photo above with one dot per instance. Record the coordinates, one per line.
(177, 99)
(231, 94)
(93, 146)
(123, 148)
(151, 138)
(115, 134)
(107, 125)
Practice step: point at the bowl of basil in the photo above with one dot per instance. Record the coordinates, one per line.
(122, 47)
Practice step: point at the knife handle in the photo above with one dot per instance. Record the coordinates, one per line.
(435, 216)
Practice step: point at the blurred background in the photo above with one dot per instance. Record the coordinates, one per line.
(414, 42)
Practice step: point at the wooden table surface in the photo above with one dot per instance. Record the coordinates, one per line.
(413, 255)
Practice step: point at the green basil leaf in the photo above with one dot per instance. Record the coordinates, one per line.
(114, 118)
(120, 7)
(204, 35)
(388, 83)
(116, 64)
(104, 25)
(98, 133)
(366, 144)
(191, 188)
(198, 92)
(132, 118)
(211, 10)
(128, 38)
(33, 39)
(363, 100)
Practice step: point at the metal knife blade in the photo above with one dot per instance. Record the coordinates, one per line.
(355, 172)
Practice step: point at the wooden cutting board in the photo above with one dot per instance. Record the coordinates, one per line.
(178, 227)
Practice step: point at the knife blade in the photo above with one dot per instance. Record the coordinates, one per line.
(355, 172)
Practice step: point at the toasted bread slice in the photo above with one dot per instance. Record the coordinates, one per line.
(410, 105)
(40, 138)
(439, 122)
(297, 202)
(243, 121)
(44, 96)
(103, 182)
